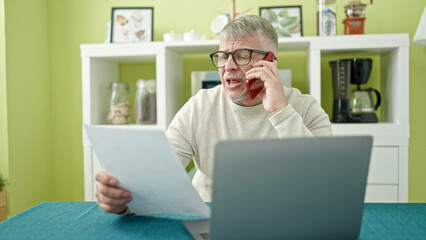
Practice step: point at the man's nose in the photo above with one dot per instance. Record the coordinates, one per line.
(230, 64)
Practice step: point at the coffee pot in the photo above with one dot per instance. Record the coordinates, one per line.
(361, 101)
(355, 106)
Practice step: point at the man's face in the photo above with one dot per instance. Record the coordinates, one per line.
(232, 75)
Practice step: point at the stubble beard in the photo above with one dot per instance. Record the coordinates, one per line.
(239, 97)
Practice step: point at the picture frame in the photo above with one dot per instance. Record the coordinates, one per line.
(287, 20)
(132, 24)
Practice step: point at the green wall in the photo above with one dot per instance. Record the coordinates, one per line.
(4, 163)
(28, 100)
(43, 78)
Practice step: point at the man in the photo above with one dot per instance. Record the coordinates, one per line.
(227, 111)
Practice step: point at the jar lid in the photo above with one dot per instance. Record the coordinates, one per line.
(140, 82)
(151, 85)
(143, 81)
(148, 83)
(119, 85)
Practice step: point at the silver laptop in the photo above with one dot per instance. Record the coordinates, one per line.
(301, 188)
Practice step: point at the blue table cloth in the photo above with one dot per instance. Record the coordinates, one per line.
(84, 220)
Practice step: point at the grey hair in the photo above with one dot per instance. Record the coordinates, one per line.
(249, 24)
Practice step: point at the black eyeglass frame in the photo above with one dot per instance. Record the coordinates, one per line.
(233, 58)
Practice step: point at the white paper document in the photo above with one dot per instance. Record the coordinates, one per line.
(145, 163)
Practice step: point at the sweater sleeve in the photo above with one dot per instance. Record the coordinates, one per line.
(180, 135)
(308, 120)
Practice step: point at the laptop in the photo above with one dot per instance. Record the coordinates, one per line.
(298, 188)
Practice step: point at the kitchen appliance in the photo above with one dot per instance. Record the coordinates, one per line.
(355, 106)
(354, 21)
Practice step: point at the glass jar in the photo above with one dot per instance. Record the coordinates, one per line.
(119, 110)
(326, 18)
(145, 102)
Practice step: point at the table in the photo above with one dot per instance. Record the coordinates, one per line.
(84, 220)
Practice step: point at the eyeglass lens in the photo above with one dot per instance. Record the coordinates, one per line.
(241, 57)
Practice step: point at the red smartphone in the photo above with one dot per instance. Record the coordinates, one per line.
(254, 86)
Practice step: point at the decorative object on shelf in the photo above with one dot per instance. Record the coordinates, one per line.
(420, 35)
(132, 24)
(354, 21)
(326, 18)
(3, 198)
(287, 20)
(146, 102)
(356, 106)
(172, 36)
(119, 110)
(192, 35)
(220, 21)
(108, 38)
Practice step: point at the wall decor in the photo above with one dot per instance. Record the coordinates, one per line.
(286, 19)
(132, 24)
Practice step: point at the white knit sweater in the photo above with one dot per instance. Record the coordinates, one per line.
(210, 116)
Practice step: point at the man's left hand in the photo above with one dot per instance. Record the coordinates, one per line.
(272, 95)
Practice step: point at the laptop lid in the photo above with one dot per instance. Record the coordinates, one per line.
(301, 188)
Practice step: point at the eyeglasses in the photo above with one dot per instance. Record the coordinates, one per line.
(241, 57)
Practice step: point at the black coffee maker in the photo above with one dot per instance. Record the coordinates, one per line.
(355, 106)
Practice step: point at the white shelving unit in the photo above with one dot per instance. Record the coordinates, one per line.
(388, 176)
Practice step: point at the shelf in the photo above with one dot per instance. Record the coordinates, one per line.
(203, 46)
(136, 52)
(168, 59)
(373, 42)
(101, 66)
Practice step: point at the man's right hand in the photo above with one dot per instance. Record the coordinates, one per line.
(111, 198)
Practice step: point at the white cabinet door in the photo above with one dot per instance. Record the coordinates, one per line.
(383, 175)
(381, 193)
(383, 166)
